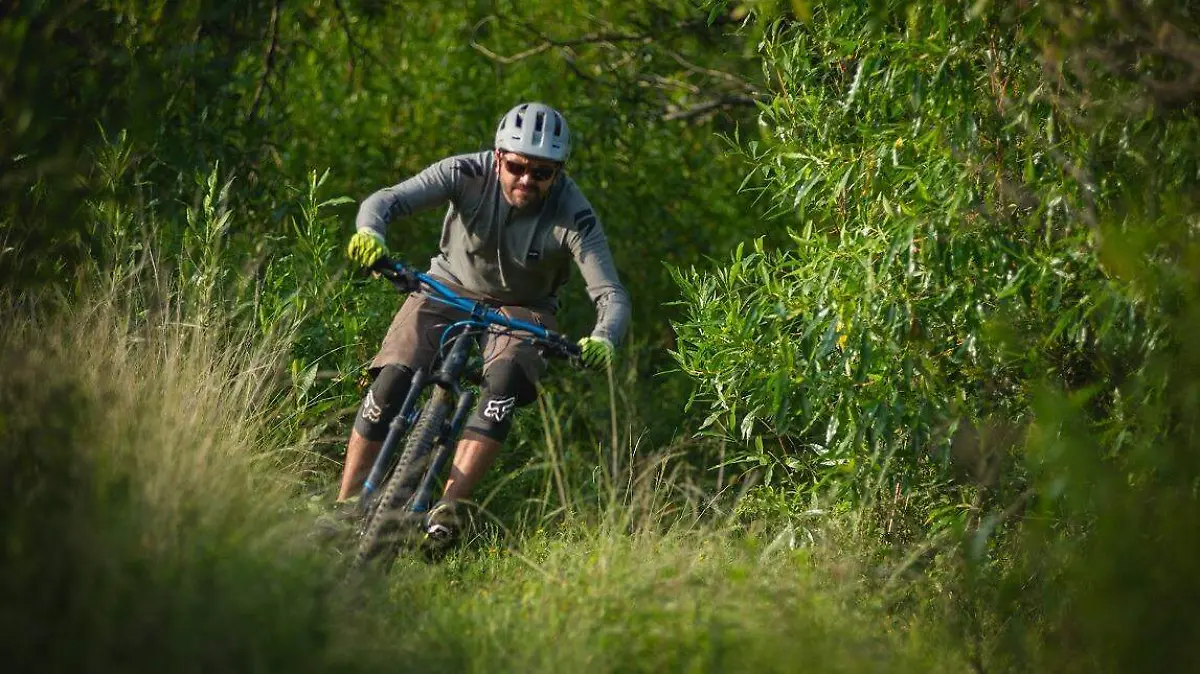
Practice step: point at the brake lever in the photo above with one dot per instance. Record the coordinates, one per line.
(571, 353)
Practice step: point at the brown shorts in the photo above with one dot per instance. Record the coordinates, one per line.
(511, 367)
(416, 331)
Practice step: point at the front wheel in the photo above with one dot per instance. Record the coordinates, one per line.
(379, 540)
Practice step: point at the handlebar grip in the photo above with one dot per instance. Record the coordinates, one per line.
(397, 272)
(384, 264)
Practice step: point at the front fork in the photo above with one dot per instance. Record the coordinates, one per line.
(447, 375)
(398, 427)
(445, 447)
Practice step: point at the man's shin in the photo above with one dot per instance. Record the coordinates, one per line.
(360, 456)
(472, 458)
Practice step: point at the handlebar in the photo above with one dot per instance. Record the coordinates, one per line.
(407, 279)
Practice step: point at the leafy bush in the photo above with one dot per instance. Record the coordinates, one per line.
(963, 216)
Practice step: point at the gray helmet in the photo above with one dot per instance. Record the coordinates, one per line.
(535, 130)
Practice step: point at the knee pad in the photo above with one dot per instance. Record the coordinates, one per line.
(506, 387)
(382, 401)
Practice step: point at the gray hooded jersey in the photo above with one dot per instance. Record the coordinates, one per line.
(511, 256)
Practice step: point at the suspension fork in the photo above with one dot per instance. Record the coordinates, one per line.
(446, 446)
(447, 376)
(397, 428)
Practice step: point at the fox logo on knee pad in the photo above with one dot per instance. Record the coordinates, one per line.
(498, 408)
(371, 411)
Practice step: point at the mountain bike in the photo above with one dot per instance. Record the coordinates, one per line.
(398, 491)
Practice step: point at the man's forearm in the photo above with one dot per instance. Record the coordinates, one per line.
(613, 310)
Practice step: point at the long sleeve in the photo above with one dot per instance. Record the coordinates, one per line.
(589, 247)
(434, 186)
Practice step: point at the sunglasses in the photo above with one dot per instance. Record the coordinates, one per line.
(538, 173)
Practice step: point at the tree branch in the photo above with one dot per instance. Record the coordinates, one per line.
(716, 74)
(549, 43)
(699, 109)
(623, 48)
(269, 59)
(351, 43)
(354, 46)
(668, 83)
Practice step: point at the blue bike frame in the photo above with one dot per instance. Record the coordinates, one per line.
(481, 314)
(481, 317)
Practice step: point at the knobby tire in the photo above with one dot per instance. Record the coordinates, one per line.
(378, 544)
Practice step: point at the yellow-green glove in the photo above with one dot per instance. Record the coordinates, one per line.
(366, 247)
(597, 352)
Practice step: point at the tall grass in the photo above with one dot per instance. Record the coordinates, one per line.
(595, 599)
(150, 522)
(146, 523)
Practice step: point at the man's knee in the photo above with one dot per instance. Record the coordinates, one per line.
(383, 401)
(506, 387)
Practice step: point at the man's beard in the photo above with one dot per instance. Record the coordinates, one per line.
(523, 199)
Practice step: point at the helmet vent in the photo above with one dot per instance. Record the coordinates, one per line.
(539, 122)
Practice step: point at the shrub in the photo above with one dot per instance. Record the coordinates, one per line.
(972, 199)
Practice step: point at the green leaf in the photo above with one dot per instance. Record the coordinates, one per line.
(336, 201)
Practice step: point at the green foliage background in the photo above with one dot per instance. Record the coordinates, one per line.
(266, 94)
(992, 221)
(914, 286)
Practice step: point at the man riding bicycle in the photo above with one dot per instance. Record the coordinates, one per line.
(514, 222)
